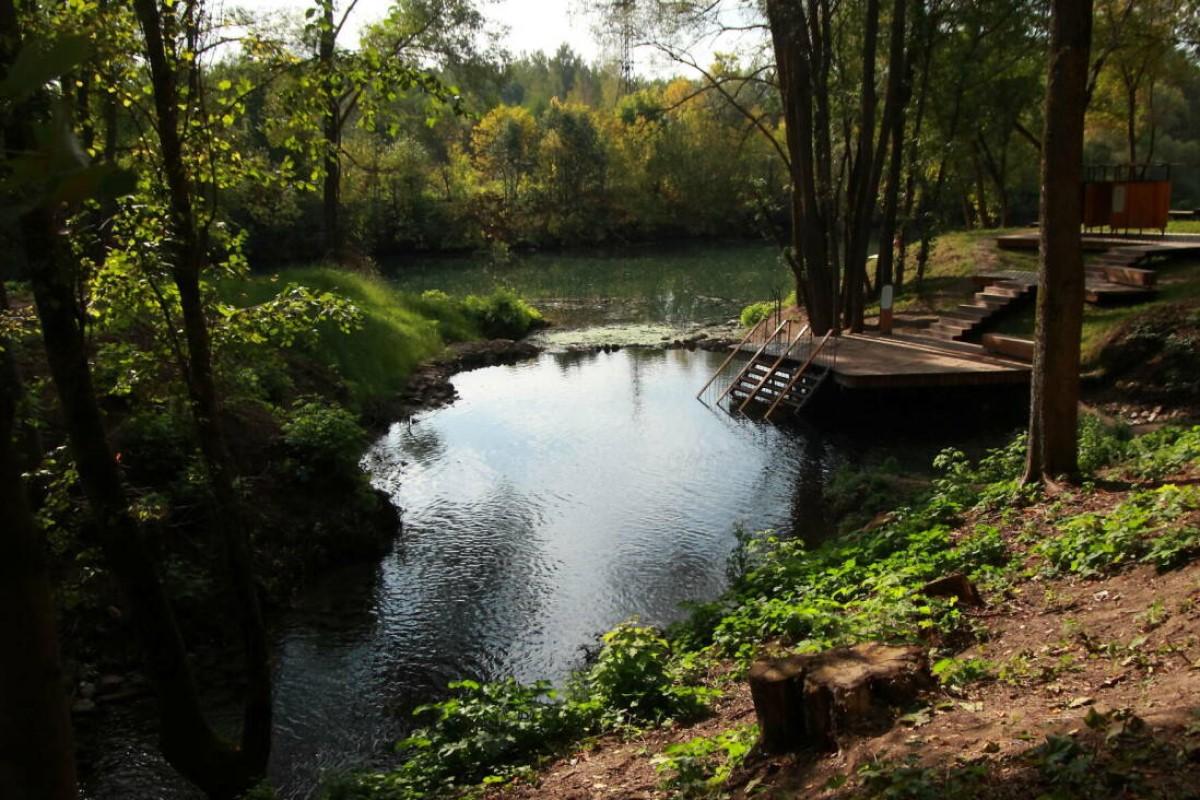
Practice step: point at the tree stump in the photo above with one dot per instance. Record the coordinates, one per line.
(806, 700)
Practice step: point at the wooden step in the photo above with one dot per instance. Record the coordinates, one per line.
(1131, 276)
(978, 311)
(1011, 346)
(942, 344)
(960, 324)
(939, 332)
(959, 315)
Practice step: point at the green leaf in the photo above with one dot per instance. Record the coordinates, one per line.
(40, 62)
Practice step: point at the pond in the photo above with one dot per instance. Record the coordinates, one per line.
(554, 499)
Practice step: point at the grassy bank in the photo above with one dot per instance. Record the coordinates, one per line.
(299, 357)
(396, 330)
(648, 686)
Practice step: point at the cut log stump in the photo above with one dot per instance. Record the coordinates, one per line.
(807, 700)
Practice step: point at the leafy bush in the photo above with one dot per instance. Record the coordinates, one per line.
(502, 314)
(959, 672)
(483, 733)
(633, 678)
(1092, 543)
(1164, 452)
(700, 766)
(323, 441)
(755, 313)
(1099, 444)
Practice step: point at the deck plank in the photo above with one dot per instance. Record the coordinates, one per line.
(868, 360)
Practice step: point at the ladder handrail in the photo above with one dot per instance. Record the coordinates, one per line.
(732, 353)
(797, 374)
(763, 381)
(753, 358)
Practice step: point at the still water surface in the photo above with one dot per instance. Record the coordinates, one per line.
(553, 500)
(634, 295)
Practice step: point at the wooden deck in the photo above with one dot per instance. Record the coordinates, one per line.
(1169, 244)
(871, 361)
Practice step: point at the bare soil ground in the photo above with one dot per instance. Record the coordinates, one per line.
(1126, 646)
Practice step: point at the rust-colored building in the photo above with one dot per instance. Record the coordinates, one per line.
(1125, 197)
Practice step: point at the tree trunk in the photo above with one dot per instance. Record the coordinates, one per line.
(190, 257)
(1131, 87)
(861, 196)
(1054, 408)
(187, 741)
(898, 91)
(924, 25)
(37, 755)
(332, 130)
(802, 61)
(983, 217)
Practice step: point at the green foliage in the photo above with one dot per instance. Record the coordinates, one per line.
(957, 673)
(483, 733)
(1164, 452)
(755, 313)
(911, 781)
(395, 330)
(324, 441)
(1093, 543)
(502, 315)
(633, 678)
(700, 766)
(1099, 444)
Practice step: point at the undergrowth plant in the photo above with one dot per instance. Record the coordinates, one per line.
(702, 765)
(1142, 528)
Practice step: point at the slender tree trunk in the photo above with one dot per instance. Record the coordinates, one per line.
(1054, 409)
(37, 755)
(982, 216)
(861, 197)
(801, 60)
(187, 741)
(332, 130)
(924, 26)
(190, 257)
(1130, 116)
(898, 91)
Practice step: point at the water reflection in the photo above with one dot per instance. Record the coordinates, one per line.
(669, 287)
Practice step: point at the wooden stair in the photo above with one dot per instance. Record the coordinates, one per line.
(995, 297)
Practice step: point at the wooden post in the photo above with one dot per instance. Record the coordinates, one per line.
(885, 310)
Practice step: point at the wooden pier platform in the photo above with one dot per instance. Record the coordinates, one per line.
(907, 360)
(1169, 244)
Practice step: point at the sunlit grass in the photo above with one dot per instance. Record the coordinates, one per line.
(399, 330)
